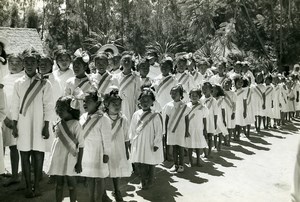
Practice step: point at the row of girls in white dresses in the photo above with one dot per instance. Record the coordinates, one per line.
(129, 88)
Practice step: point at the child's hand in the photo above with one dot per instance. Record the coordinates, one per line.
(264, 106)
(15, 132)
(187, 134)
(155, 148)
(127, 154)
(78, 168)
(8, 123)
(280, 105)
(1, 85)
(105, 158)
(224, 122)
(2, 59)
(232, 116)
(245, 114)
(297, 100)
(45, 132)
(205, 134)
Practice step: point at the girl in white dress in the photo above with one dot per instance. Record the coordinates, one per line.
(129, 86)
(143, 67)
(145, 134)
(230, 99)
(81, 79)
(259, 90)
(174, 113)
(183, 77)
(221, 131)
(267, 101)
(241, 107)
(96, 129)
(211, 104)
(64, 71)
(196, 124)
(2, 117)
(31, 113)
(67, 148)
(119, 164)
(16, 71)
(276, 103)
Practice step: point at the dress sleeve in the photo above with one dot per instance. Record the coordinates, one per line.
(79, 134)
(125, 129)
(67, 90)
(2, 106)
(158, 128)
(106, 134)
(48, 104)
(16, 102)
(132, 128)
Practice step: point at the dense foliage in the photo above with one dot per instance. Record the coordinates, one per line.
(261, 30)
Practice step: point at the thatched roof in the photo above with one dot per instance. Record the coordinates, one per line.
(18, 39)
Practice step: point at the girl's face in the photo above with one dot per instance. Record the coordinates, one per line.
(63, 62)
(101, 65)
(165, 69)
(238, 68)
(144, 70)
(214, 92)
(15, 65)
(202, 68)
(64, 114)
(90, 105)
(126, 62)
(206, 90)
(45, 66)
(221, 69)
(239, 83)
(114, 107)
(175, 95)
(181, 66)
(194, 97)
(191, 67)
(79, 68)
(30, 65)
(275, 80)
(268, 81)
(227, 85)
(146, 102)
(259, 79)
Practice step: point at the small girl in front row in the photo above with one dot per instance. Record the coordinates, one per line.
(196, 124)
(67, 149)
(96, 130)
(145, 134)
(175, 130)
(119, 164)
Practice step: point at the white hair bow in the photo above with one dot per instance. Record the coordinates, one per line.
(83, 54)
(78, 94)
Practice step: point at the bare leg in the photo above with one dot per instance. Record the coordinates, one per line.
(25, 158)
(38, 169)
(72, 188)
(59, 188)
(191, 156)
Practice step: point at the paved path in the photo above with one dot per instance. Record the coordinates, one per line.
(258, 169)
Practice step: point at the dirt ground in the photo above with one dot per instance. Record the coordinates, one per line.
(258, 169)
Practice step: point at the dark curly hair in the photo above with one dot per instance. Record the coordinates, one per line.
(64, 103)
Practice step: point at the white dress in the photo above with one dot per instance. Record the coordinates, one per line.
(62, 77)
(257, 97)
(62, 162)
(83, 83)
(198, 79)
(221, 128)
(40, 110)
(144, 134)
(229, 106)
(239, 113)
(276, 102)
(103, 82)
(9, 82)
(3, 71)
(163, 86)
(2, 117)
(118, 164)
(196, 127)
(96, 143)
(57, 92)
(211, 105)
(129, 90)
(269, 93)
(176, 125)
(283, 99)
(187, 81)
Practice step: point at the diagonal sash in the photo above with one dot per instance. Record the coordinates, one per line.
(105, 75)
(115, 129)
(229, 101)
(126, 81)
(220, 102)
(83, 84)
(268, 91)
(89, 125)
(164, 82)
(196, 77)
(184, 77)
(179, 118)
(240, 92)
(144, 123)
(259, 92)
(32, 91)
(209, 101)
(193, 109)
(67, 138)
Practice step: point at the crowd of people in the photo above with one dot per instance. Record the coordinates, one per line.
(110, 114)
